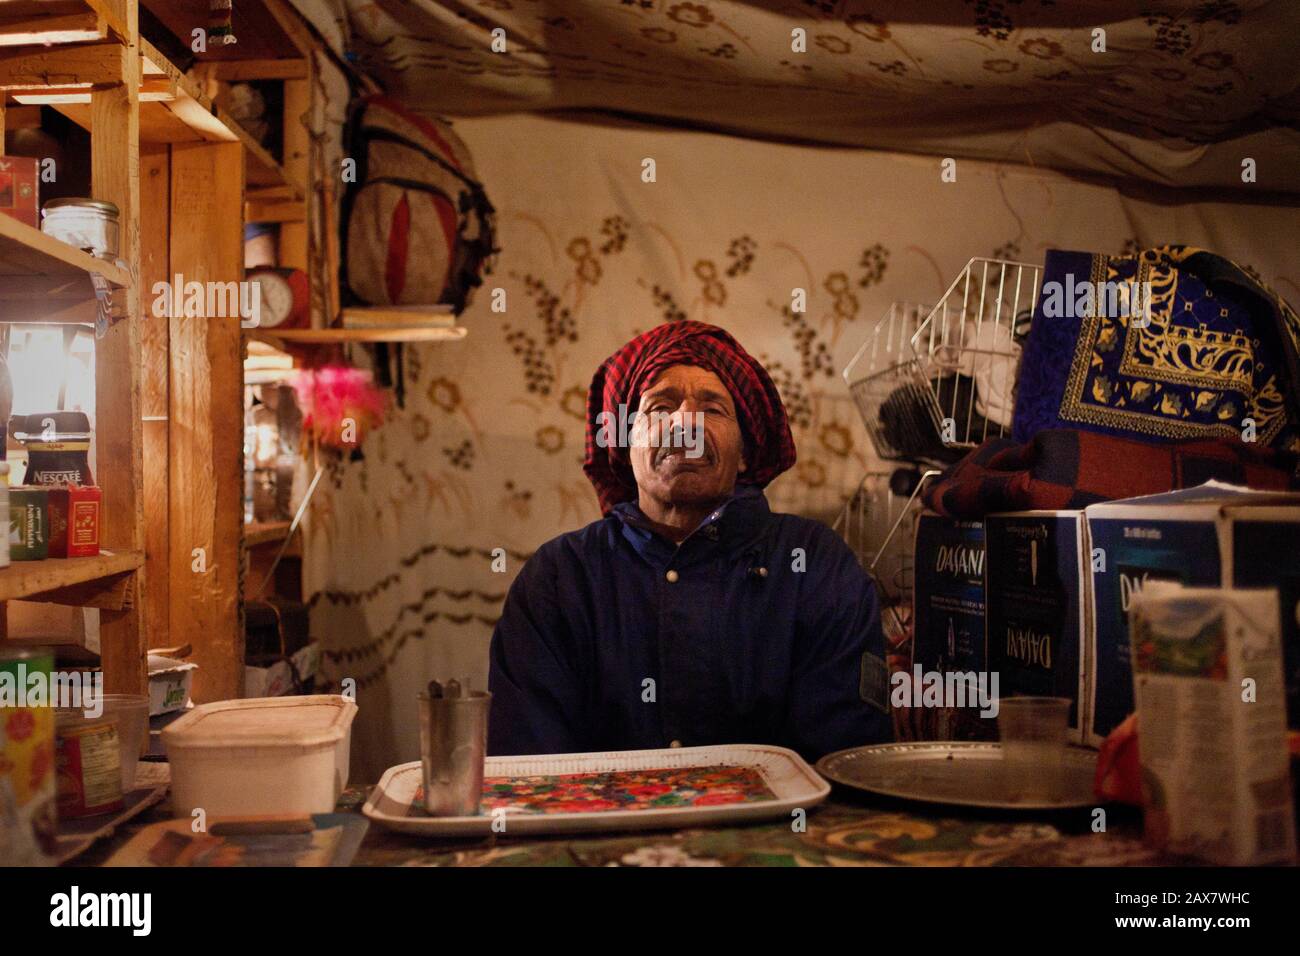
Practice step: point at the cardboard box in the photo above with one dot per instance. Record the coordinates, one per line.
(1207, 665)
(19, 193)
(169, 684)
(277, 679)
(949, 595)
(948, 617)
(1039, 607)
(29, 523)
(1186, 537)
(74, 521)
(1265, 543)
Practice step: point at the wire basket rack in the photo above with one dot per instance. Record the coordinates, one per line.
(931, 384)
(884, 371)
(878, 523)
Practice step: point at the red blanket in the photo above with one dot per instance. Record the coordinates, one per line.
(1062, 468)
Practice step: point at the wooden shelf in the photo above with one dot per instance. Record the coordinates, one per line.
(259, 27)
(280, 339)
(173, 109)
(102, 581)
(273, 203)
(45, 22)
(261, 171)
(43, 279)
(35, 75)
(265, 532)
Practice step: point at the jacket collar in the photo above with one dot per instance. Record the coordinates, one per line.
(732, 524)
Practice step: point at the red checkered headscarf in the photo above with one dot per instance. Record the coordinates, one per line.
(621, 378)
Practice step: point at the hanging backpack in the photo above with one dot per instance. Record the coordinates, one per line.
(417, 227)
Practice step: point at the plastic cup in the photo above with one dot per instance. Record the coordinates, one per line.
(132, 713)
(1033, 734)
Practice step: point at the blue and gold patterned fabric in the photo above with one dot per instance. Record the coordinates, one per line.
(1169, 344)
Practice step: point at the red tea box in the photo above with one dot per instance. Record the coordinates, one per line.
(74, 521)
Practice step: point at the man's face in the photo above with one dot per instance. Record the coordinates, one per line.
(686, 442)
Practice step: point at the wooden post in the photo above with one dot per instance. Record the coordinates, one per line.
(155, 209)
(296, 164)
(206, 431)
(115, 173)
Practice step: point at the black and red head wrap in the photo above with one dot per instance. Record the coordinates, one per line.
(621, 378)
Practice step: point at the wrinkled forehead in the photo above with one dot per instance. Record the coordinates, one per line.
(683, 380)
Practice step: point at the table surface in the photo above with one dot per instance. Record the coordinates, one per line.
(849, 829)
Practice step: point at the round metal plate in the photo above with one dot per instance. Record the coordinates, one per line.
(959, 773)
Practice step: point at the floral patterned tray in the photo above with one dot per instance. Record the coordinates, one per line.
(618, 790)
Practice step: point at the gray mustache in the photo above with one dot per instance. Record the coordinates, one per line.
(681, 438)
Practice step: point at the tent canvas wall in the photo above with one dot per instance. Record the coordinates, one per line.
(1054, 147)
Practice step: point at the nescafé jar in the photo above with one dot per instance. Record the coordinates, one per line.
(58, 447)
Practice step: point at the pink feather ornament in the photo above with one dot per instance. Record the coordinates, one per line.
(340, 405)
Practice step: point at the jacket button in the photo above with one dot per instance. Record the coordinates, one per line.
(671, 576)
(675, 743)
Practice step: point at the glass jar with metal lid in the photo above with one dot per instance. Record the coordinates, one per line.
(89, 224)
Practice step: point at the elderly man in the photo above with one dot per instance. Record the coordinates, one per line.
(690, 614)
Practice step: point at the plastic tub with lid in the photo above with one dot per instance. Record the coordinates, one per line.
(263, 755)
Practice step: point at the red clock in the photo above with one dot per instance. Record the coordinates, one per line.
(285, 297)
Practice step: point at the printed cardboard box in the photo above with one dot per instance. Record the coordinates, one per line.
(1212, 723)
(18, 189)
(948, 614)
(1039, 607)
(1187, 537)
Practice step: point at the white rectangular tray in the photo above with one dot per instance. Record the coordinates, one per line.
(794, 784)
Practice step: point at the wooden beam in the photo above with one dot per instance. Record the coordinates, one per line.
(21, 117)
(95, 63)
(112, 593)
(26, 251)
(52, 579)
(296, 163)
(115, 177)
(153, 90)
(292, 24)
(155, 208)
(282, 212)
(50, 20)
(237, 71)
(206, 421)
(37, 22)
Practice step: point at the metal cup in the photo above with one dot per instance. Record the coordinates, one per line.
(453, 747)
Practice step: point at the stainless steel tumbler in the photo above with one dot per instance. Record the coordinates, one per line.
(453, 747)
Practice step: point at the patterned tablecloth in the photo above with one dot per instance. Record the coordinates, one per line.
(844, 831)
(847, 830)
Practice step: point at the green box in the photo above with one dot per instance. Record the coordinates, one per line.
(29, 524)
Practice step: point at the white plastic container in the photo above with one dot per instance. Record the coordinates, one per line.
(169, 684)
(262, 755)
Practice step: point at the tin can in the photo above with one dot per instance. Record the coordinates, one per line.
(28, 821)
(88, 224)
(28, 524)
(90, 765)
(453, 747)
